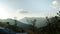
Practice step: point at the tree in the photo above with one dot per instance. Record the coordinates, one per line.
(58, 13)
(47, 20)
(15, 21)
(33, 22)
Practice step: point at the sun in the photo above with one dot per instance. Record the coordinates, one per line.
(54, 3)
(3, 13)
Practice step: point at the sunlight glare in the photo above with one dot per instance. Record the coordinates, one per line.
(3, 13)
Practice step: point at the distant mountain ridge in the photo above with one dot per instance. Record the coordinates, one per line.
(19, 24)
(41, 21)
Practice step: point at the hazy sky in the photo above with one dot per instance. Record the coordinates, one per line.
(23, 8)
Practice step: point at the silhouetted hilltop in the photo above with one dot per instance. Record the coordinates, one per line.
(51, 28)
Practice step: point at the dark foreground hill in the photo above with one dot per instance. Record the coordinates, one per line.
(51, 28)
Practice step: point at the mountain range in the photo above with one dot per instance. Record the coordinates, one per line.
(40, 21)
(23, 23)
(19, 24)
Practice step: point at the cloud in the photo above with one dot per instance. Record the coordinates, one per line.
(22, 11)
(20, 15)
(54, 4)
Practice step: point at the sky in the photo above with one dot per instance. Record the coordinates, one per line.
(28, 8)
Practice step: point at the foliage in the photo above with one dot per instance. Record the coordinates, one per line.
(51, 28)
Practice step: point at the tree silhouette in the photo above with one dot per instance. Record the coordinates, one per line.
(47, 20)
(33, 22)
(58, 13)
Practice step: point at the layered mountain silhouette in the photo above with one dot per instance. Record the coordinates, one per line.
(19, 24)
(40, 21)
